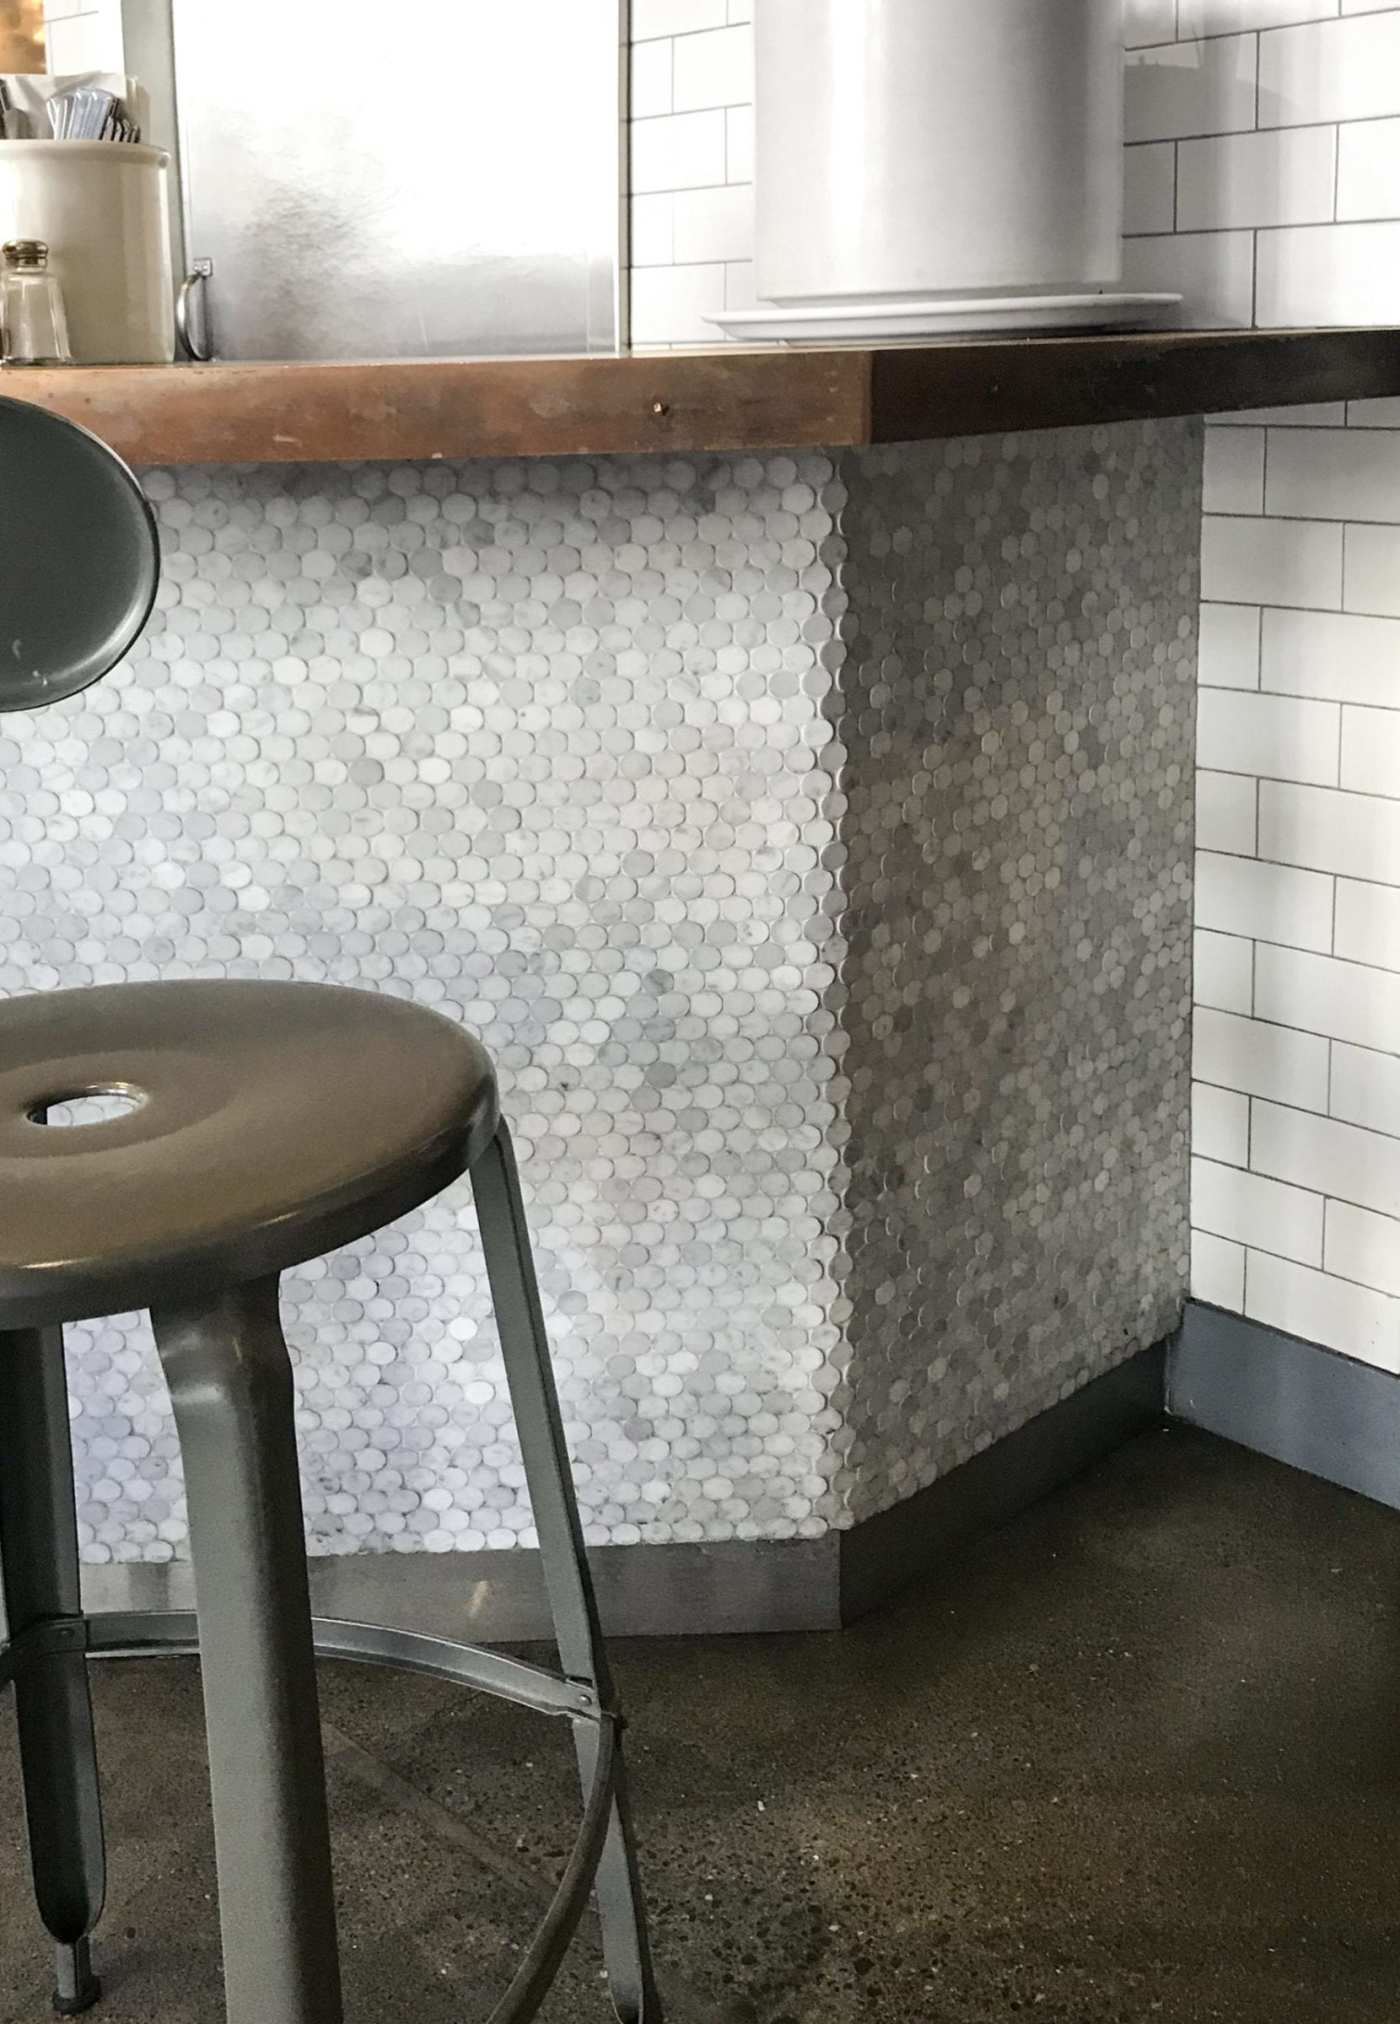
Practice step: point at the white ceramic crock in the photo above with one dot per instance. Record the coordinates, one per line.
(934, 147)
(100, 206)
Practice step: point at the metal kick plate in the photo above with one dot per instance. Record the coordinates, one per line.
(442, 178)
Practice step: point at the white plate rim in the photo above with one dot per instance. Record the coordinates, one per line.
(868, 318)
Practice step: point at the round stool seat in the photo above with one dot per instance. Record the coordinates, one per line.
(271, 1123)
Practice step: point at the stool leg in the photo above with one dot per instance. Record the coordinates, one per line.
(231, 1386)
(53, 1712)
(525, 1349)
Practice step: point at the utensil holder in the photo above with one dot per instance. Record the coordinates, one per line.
(101, 207)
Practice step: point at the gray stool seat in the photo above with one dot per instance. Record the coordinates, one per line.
(275, 1122)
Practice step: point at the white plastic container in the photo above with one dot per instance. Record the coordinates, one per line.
(937, 147)
(101, 208)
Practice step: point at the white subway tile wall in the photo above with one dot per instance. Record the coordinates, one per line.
(1288, 212)
(1224, 971)
(692, 168)
(1286, 177)
(1284, 120)
(1217, 1270)
(1227, 812)
(1373, 568)
(1220, 1124)
(1368, 923)
(1259, 561)
(1213, 270)
(1366, 1090)
(83, 35)
(1181, 88)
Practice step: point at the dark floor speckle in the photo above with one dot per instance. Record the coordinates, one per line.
(1137, 1757)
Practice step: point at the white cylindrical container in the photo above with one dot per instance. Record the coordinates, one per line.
(100, 207)
(937, 147)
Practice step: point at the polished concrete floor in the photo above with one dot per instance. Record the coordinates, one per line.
(1135, 1757)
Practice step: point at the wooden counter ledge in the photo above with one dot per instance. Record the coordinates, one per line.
(682, 402)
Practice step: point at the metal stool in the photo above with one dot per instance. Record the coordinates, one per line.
(270, 1123)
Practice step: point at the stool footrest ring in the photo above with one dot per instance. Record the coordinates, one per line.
(129, 1634)
(175, 1633)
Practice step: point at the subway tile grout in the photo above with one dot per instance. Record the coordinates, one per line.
(1308, 1032)
(1264, 483)
(1258, 942)
(1221, 232)
(1256, 84)
(1282, 780)
(719, 189)
(1362, 1285)
(1301, 520)
(1316, 1194)
(1324, 1117)
(674, 35)
(688, 112)
(1296, 126)
(1324, 1272)
(1231, 1089)
(1237, 34)
(1285, 1257)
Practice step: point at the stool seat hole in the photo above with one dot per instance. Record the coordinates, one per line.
(99, 1104)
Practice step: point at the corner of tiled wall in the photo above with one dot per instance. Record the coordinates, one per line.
(1297, 1133)
(1263, 180)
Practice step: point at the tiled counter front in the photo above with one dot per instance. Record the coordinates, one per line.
(806, 839)
(1017, 708)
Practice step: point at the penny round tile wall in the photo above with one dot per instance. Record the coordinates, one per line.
(1017, 705)
(573, 752)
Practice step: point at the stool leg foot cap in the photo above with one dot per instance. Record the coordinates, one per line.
(74, 2006)
(78, 1987)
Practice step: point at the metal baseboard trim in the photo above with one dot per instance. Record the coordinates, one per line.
(886, 1553)
(709, 1590)
(1292, 1400)
(499, 1598)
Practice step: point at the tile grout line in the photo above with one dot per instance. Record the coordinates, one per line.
(1254, 1173)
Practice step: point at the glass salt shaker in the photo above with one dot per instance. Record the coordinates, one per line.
(33, 322)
